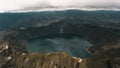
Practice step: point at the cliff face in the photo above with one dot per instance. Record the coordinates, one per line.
(14, 53)
(52, 60)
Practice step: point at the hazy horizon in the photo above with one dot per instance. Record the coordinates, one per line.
(39, 5)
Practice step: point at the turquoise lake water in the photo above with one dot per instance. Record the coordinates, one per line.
(74, 46)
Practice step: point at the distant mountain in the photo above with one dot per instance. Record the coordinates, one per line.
(36, 19)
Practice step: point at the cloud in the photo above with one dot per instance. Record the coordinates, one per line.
(25, 5)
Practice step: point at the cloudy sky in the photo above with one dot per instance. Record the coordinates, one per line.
(25, 5)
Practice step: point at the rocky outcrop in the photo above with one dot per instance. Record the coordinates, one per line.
(41, 60)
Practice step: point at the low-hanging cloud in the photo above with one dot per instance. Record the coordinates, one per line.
(25, 5)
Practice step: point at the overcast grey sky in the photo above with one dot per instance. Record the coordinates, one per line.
(24, 5)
